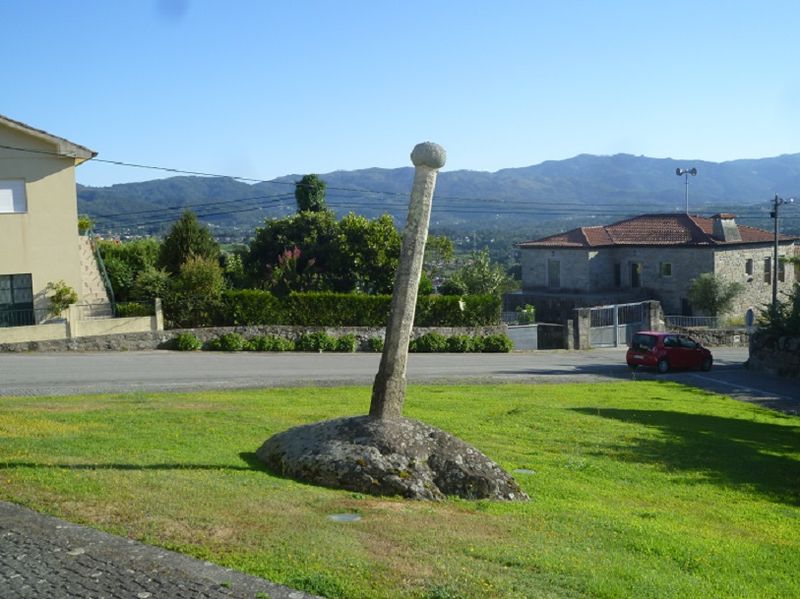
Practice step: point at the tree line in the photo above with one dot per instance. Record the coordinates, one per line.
(309, 251)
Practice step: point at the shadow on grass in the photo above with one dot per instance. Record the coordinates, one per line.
(728, 451)
(253, 463)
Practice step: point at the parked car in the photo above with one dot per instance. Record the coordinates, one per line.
(665, 351)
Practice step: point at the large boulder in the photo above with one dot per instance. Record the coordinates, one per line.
(397, 456)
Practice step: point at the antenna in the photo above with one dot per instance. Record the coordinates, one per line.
(686, 172)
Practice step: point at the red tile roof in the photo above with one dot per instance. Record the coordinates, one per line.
(652, 229)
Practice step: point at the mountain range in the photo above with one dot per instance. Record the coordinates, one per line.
(583, 190)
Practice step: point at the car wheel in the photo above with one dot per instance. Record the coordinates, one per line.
(706, 365)
(663, 366)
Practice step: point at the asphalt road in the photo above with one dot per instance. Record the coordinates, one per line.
(28, 374)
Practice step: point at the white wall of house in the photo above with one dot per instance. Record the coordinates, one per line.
(39, 237)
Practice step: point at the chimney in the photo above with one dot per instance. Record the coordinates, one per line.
(725, 228)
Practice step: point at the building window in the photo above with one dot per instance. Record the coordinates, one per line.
(666, 269)
(748, 267)
(553, 273)
(16, 300)
(617, 274)
(636, 274)
(768, 270)
(12, 196)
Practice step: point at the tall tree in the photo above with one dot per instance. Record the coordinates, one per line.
(479, 275)
(712, 294)
(370, 253)
(310, 194)
(185, 239)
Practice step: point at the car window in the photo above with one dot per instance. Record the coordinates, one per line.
(643, 342)
(670, 341)
(688, 343)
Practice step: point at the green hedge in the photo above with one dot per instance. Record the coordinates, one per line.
(255, 307)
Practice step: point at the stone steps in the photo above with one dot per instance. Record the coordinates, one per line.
(94, 299)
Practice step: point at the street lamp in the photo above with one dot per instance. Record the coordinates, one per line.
(686, 172)
(776, 202)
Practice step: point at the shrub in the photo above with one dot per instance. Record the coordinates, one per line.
(61, 296)
(346, 343)
(429, 342)
(478, 344)
(271, 343)
(459, 344)
(228, 342)
(337, 309)
(375, 344)
(526, 315)
(187, 342)
(315, 342)
(128, 309)
(250, 307)
(497, 344)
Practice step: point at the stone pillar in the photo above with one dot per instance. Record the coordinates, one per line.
(389, 389)
(159, 315)
(583, 322)
(73, 320)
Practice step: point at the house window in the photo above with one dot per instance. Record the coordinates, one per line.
(636, 274)
(553, 273)
(617, 274)
(12, 196)
(16, 300)
(748, 267)
(768, 270)
(666, 269)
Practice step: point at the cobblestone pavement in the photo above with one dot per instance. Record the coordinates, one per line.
(46, 558)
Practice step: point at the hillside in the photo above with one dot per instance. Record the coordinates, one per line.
(553, 194)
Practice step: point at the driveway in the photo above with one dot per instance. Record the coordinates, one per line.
(122, 372)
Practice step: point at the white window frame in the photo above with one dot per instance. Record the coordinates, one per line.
(13, 198)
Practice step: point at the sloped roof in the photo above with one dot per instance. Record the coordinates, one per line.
(652, 230)
(63, 146)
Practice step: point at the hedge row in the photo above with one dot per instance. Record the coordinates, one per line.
(320, 342)
(254, 307)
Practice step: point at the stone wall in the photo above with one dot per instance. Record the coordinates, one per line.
(717, 337)
(775, 354)
(732, 265)
(164, 339)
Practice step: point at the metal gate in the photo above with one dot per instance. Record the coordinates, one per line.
(612, 326)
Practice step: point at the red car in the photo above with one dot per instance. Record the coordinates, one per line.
(664, 351)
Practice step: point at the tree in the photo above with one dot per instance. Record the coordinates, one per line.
(712, 294)
(195, 292)
(479, 275)
(314, 234)
(310, 194)
(439, 254)
(185, 239)
(370, 253)
(125, 261)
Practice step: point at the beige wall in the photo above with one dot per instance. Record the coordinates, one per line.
(43, 241)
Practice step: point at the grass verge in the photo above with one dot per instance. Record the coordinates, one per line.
(645, 489)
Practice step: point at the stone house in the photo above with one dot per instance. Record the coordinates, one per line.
(39, 240)
(652, 256)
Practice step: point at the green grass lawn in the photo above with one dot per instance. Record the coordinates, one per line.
(639, 489)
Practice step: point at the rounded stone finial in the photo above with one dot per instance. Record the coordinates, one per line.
(428, 154)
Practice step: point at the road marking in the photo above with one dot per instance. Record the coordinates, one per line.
(741, 387)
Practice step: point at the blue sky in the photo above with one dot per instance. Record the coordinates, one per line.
(265, 88)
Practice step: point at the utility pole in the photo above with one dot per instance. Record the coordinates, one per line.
(776, 202)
